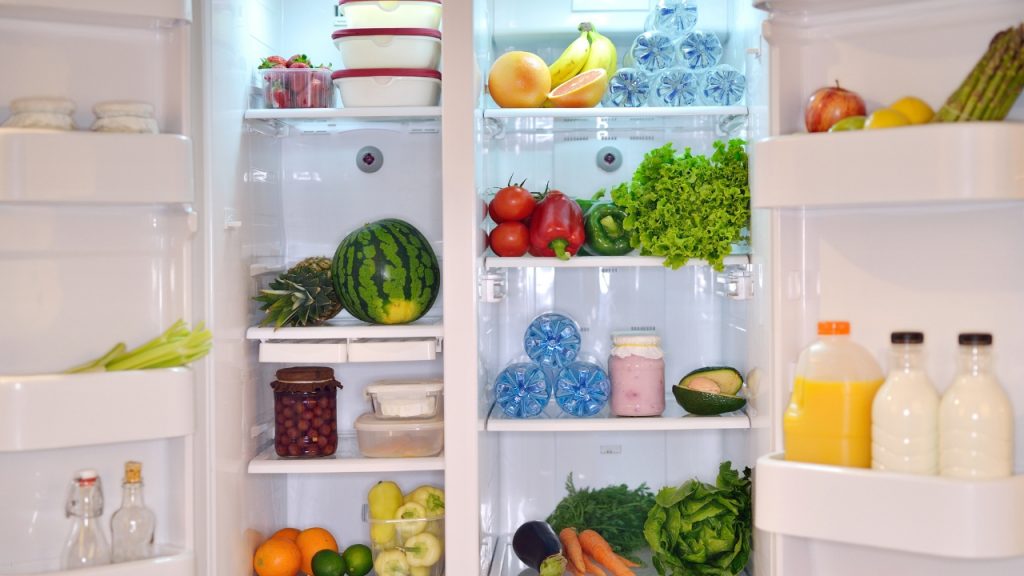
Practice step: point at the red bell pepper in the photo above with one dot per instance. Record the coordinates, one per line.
(556, 226)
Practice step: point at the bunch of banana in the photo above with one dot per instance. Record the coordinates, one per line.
(590, 50)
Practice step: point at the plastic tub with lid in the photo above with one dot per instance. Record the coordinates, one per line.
(362, 48)
(392, 13)
(405, 398)
(388, 87)
(402, 438)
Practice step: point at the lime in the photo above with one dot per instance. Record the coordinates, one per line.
(328, 563)
(358, 559)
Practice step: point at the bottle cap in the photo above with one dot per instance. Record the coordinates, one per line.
(975, 339)
(132, 472)
(907, 338)
(833, 328)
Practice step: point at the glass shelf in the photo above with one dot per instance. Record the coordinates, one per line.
(286, 121)
(674, 418)
(345, 461)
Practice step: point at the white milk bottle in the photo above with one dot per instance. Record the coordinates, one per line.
(905, 412)
(975, 417)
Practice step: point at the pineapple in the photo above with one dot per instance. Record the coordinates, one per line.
(301, 296)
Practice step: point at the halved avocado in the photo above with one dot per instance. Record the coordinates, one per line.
(706, 403)
(729, 380)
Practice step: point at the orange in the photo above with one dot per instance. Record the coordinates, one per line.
(312, 540)
(286, 533)
(277, 557)
(519, 80)
(583, 90)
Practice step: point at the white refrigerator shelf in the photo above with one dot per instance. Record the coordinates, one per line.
(46, 411)
(345, 461)
(119, 12)
(921, 514)
(612, 112)
(599, 262)
(932, 163)
(673, 418)
(168, 562)
(349, 340)
(90, 167)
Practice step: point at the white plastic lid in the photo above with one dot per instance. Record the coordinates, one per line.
(642, 344)
(406, 386)
(370, 423)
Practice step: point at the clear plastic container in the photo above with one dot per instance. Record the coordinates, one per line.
(391, 13)
(399, 438)
(408, 545)
(296, 87)
(405, 398)
(829, 416)
(362, 48)
(388, 87)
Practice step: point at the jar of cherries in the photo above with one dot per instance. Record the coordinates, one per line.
(305, 412)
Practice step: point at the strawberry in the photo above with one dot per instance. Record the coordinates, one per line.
(316, 92)
(302, 100)
(280, 98)
(273, 62)
(298, 59)
(299, 79)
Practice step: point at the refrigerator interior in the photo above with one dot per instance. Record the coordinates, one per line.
(96, 247)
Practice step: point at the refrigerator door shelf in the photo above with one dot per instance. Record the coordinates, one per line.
(951, 162)
(169, 562)
(919, 514)
(130, 13)
(674, 418)
(66, 410)
(346, 460)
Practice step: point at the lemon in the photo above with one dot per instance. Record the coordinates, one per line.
(886, 118)
(916, 110)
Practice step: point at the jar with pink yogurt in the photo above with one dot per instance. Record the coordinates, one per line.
(636, 368)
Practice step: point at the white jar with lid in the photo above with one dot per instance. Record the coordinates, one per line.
(636, 368)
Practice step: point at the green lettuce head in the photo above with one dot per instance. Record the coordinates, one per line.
(700, 529)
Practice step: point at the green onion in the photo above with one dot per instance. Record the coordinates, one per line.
(177, 346)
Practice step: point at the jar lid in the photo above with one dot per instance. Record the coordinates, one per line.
(405, 386)
(370, 423)
(635, 339)
(974, 339)
(304, 379)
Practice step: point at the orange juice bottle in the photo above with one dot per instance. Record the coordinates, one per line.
(829, 416)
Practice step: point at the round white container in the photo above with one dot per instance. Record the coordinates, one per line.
(363, 48)
(388, 87)
(392, 13)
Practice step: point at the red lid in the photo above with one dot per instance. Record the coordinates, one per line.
(386, 32)
(350, 1)
(369, 72)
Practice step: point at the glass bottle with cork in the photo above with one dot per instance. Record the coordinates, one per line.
(132, 526)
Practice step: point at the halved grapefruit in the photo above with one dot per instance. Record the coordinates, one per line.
(583, 90)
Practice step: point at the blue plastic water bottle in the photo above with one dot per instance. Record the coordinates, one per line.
(628, 87)
(724, 86)
(582, 389)
(522, 390)
(653, 52)
(674, 17)
(552, 340)
(700, 50)
(677, 87)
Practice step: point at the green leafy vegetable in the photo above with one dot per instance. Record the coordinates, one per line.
(615, 512)
(702, 529)
(177, 346)
(687, 206)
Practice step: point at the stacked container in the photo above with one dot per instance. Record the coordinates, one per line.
(391, 51)
(406, 421)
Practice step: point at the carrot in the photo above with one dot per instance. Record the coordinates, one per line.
(595, 545)
(592, 566)
(571, 547)
(627, 561)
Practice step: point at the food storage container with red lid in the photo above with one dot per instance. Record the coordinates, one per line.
(399, 438)
(405, 398)
(391, 13)
(389, 47)
(305, 412)
(388, 87)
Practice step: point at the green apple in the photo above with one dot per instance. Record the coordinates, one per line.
(849, 123)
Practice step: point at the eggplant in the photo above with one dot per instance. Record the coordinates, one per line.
(537, 545)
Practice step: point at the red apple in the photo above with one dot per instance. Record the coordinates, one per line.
(830, 105)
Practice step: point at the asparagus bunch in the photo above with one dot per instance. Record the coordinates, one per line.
(177, 346)
(994, 84)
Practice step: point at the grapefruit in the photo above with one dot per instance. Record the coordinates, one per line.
(583, 90)
(519, 80)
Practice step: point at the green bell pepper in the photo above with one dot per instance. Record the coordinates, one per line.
(605, 233)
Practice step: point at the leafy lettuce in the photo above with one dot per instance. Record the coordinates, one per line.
(701, 529)
(687, 206)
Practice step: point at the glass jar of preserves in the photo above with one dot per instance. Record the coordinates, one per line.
(636, 368)
(305, 412)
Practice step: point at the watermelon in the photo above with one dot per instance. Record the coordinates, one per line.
(386, 273)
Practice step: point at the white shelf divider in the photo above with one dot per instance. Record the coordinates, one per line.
(931, 515)
(951, 162)
(168, 562)
(342, 462)
(674, 418)
(39, 412)
(349, 340)
(597, 262)
(90, 167)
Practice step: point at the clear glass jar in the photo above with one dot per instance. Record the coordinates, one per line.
(636, 368)
(86, 544)
(305, 412)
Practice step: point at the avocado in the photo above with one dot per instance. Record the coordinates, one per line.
(729, 380)
(706, 403)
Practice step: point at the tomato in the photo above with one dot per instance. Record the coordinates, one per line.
(510, 239)
(513, 203)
